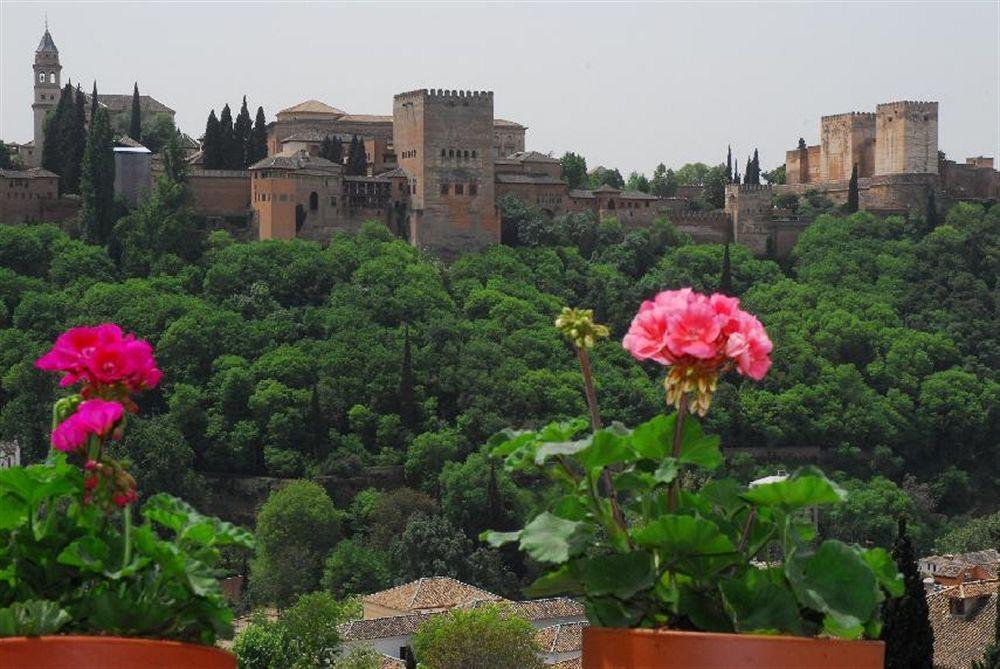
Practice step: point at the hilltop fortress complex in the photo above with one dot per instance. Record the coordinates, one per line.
(438, 165)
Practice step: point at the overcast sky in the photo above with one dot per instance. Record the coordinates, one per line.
(627, 85)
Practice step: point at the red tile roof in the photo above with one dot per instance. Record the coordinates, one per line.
(961, 640)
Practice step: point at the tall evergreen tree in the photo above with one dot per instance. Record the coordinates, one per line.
(57, 126)
(726, 281)
(241, 134)
(729, 164)
(174, 165)
(211, 144)
(97, 181)
(227, 140)
(135, 122)
(258, 138)
(756, 167)
(909, 639)
(74, 144)
(852, 191)
(93, 101)
(748, 171)
(357, 161)
(736, 176)
(931, 220)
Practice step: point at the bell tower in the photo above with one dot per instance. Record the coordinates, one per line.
(47, 80)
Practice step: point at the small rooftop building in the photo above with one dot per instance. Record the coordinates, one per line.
(963, 618)
(133, 172)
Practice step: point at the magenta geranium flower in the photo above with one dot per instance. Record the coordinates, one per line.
(698, 336)
(102, 356)
(92, 418)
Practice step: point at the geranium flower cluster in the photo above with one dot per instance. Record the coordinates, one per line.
(699, 337)
(111, 366)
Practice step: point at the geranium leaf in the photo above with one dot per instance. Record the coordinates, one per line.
(618, 574)
(797, 492)
(835, 581)
(549, 538)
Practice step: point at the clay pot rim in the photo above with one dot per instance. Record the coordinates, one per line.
(117, 640)
(725, 636)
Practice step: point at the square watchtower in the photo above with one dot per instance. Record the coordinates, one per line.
(444, 143)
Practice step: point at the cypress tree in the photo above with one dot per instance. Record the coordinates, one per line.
(135, 123)
(729, 164)
(337, 150)
(74, 144)
(93, 101)
(756, 167)
(97, 180)
(227, 141)
(357, 161)
(241, 134)
(258, 138)
(736, 176)
(726, 282)
(748, 172)
(852, 191)
(909, 639)
(56, 132)
(211, 144)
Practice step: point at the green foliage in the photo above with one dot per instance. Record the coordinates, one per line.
(262, 645)
(97, 181)
(296, 528)
(688, 565)
(355, 569)
(480, 637)
(971, 535)
(574, 169)
(135, 119)
(67, 569)
(909, 639)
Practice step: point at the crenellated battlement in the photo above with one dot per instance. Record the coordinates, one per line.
(679, 217)
(447, 95)
(915, 105)
(748, 188)
(849, 115)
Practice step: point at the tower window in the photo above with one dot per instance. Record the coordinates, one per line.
(473, 153)
(52, 77)
(444, 189)
(466, 153)
(459, 189)
(442, 153)
(41, 77)
(473, 189)
(451, 153)
(313, 201)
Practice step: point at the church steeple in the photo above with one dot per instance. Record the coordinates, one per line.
(47, 82)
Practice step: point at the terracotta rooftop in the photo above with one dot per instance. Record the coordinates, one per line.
(369, 629)
(564, 638)
(607, 188)
(366, 118)
(575, 663)
(953, 565)
(428, 594)
(532, 157)
(31, 173)
(961, 640)
(312, 107)
(538, 609)
(637, 195)
(121, 103)
(300, 160)
(386, 662)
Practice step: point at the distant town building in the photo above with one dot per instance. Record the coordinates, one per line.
(963, 618)
(952, 569)
(10, 454)
(392, 617)
(133, 172)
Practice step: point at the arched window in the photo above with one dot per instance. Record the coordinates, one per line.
(451, 153)
(442, 153)
(473, 153)
(611, 204)
(41, 77)
(466, 154)
(300, 217)
(52, 77)
(313, 201)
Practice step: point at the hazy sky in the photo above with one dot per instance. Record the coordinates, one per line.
(627, 85)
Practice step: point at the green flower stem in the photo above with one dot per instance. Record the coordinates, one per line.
(596, 424)
(678, 439)
(127, 554)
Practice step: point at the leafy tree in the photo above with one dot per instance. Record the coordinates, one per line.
(605, 177)
(637, 182)
(852, 191)
(135, 119)
(777, 176)
(430, 546)
(426, 457)
(263, 644)
(97, 181)
(242, 130)
(574, 169)
(296, 528)
(8, 161)
(972, 535)
(258, 138)
(664, 182)
(355, 569)
(486, 636)
(692, 174)
(212, 144)
(361, 657)
(715, 187)
(909, 639)
(311, 624)
(392, 512)
(157, 131)
(476, 495)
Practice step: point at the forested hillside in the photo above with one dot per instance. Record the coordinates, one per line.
(291, 360)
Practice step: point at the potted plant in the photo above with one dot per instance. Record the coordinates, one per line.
(668, 558)
(83, 584)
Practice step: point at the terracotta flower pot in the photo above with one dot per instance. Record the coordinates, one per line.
(105, 652)
(606, 648)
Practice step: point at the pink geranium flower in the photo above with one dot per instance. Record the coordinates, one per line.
(102, 356)
(92, 418)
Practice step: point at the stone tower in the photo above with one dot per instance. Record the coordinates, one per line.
(444, 144)
(906, 138)
(847, 140)
(47, 80)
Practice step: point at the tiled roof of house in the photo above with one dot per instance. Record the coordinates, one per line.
(607, 188)
(960, 640)
(369, 629)
(428, 594)
(31, 173)
(312, 107)
(539, 179)
(504, 123)
(637, 195)
(564, 638)
(953, 565)
(125, 140)
(575, 663)
(299, 161)
(121, 103)
(582, 193)
(532, 156)
(538, 609)
(386, 662)
(366, 118)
